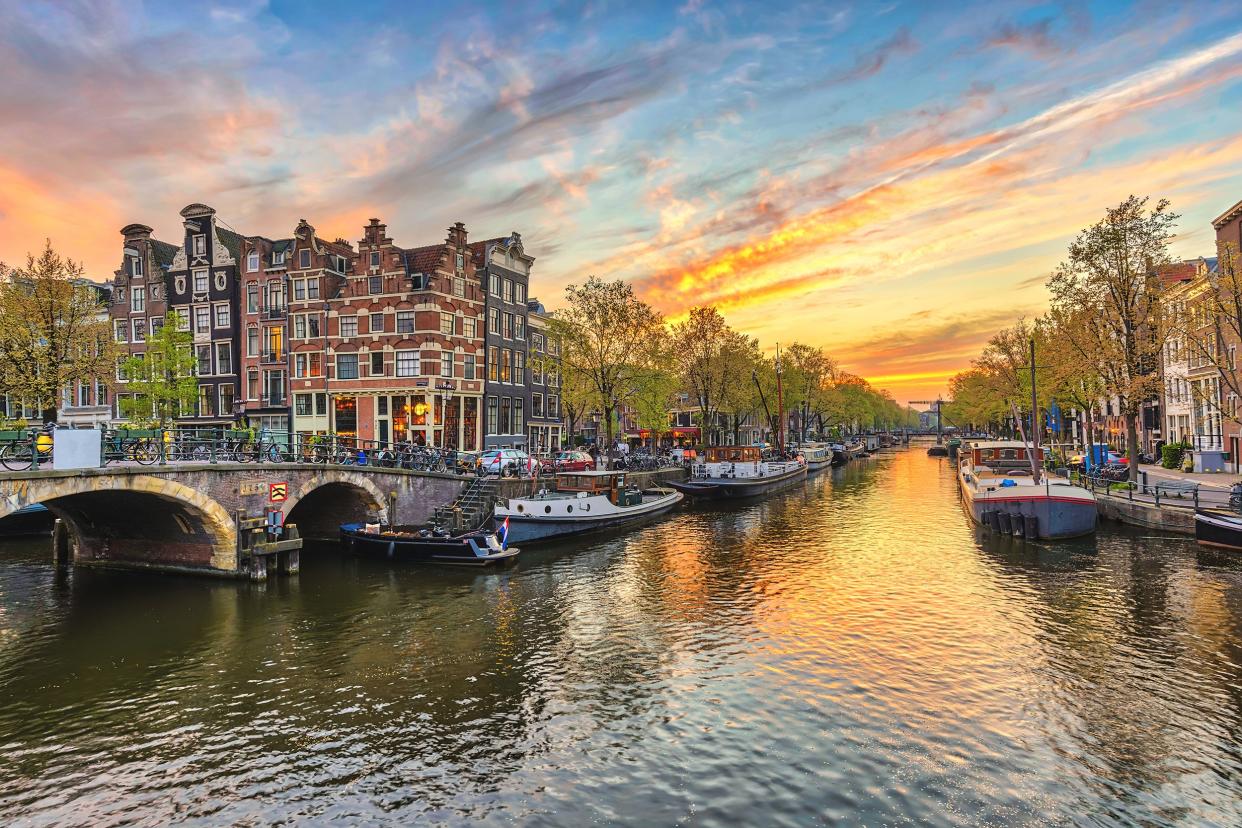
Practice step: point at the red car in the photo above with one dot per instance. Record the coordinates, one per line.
(569, 461)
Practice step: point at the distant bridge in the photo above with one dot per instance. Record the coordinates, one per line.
(184, 516)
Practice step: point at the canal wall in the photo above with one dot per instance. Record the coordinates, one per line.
(1177, 519)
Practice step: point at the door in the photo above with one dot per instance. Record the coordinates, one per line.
(1233, 453)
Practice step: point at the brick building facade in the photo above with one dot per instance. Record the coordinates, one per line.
(503, 268)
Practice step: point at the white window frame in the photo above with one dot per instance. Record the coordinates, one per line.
(412, 360)
(199, 244)
(252, 261)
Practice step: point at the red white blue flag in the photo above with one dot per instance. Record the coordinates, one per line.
(504, 533)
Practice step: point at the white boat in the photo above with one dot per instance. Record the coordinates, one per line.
(739, 471)
(817, 455)
(1000, 490)
(584, 501)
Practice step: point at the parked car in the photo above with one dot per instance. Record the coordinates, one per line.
(569, 461)
(507, 463)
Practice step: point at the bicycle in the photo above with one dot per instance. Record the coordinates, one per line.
(18, 455)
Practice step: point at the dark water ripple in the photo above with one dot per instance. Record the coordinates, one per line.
(850, 652)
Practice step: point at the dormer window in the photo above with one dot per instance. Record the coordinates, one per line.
(278, 258)
(135, 266)
(304, 259)
(252, 261)
(461, 262)
(200, 245)
(340, 264)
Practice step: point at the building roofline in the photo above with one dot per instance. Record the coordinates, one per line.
(1227, 216)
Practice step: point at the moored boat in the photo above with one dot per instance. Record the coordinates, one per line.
(584, 501)
(816, 455)
(427, 544)
(999, 489)
(1219, 527)
(739, 471)
(839, 456)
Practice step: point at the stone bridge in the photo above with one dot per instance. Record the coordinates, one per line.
(184, 517)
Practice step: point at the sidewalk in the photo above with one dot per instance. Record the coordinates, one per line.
(1221, 480)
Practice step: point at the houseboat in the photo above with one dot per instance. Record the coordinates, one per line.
(428, 543)
(739, 471)
(1001, 488)
(817, 455)
(584, 501)
(1221, 528)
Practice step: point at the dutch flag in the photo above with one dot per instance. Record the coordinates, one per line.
(504, 533)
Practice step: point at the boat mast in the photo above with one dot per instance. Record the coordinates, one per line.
(1035, 465)
(780, 404)
(767, 411)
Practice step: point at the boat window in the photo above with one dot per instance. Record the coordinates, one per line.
(586, 507)
(547, 510)
(569, 508)
(521, 508)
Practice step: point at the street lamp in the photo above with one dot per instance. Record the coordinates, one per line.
(445, 387)
(323, 364)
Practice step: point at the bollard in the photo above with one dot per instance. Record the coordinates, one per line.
(1005, 526)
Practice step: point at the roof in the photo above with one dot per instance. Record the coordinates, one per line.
(424, 259)
(232, 241)
(1227, 216)
(164, 252)
(479, 249)
(281, 245)
(1177, 272)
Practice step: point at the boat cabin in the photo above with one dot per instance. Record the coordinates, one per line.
(733, 454)
(1005, 454)
(611, 484)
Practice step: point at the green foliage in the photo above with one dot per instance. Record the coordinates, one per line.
(1171, 456)
(162, 381)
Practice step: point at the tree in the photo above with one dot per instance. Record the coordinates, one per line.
(699, 352)
(54, 331)
(610, 340)
(162, 380)
(1110, 271)
(1069, 378)
(806, 375)
(652, 398)
(741, 396)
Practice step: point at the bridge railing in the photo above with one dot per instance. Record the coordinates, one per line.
(32, 449)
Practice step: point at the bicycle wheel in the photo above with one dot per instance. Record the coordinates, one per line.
(146, 452)
(16, 456)
(274, 454)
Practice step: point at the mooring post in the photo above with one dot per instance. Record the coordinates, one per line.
(60, 544)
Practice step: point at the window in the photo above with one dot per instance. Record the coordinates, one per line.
(138, 299)
(275, 337)
(349, 326)
(492, 407)
(493, 357)
(493, 322)
(375, 258)
(468, 367)
(505, 422)
(252, 342)
(536, 405)
(183, 320)
(222, 316)
(312, 325)
(508, 290)
(340, 263)
(226, 398)
(377, 323)
(552, 402)
(405, 321)
(278, 258)
(122, 330)
(206, 401)
(377, 365)
(299, 327)
(446, 364)
(519, 293)
(200, 245)
(200, 281)
(252, 261)
(505, 357)
(347, 366)
(495, 285)
(299, 290)
(536, 372)
(461, 262)
(468, 327)
(321, 405)
(120, 369)
(303, 258)
(375, 284)
(459, 287)
(203, 353)
(407, 363)
(519, 424)
(252, 297)
(508, 326)
(519, 327)
(519, 366)
(302, 405)
(307, 365)
(446, 323)
(157, 324)
(202, 320)
(224, 358)
(140, 330)
(252, 385)
(312, 288)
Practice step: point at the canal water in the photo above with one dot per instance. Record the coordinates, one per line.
(850, 652)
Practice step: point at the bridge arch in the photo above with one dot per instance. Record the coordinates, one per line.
(321, 504)
(136, 519)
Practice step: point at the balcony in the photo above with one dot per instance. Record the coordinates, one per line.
(275, 312)
(272, 357)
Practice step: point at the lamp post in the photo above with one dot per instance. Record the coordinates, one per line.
(323, 366)
(445, 387)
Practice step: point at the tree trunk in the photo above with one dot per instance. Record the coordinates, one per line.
(1132, 446)
(49, 414)
(608, 435)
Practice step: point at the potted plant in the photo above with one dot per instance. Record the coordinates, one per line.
(16, 429)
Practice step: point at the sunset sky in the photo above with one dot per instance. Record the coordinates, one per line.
(892, 181)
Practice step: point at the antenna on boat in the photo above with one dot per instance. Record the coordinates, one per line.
(780, 404)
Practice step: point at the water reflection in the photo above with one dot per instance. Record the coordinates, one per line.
(853, 650)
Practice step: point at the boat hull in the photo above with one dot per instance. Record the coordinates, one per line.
(718, 488)
(529, 529)
(1218, 528)
(461, 550)
(1058, 516)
